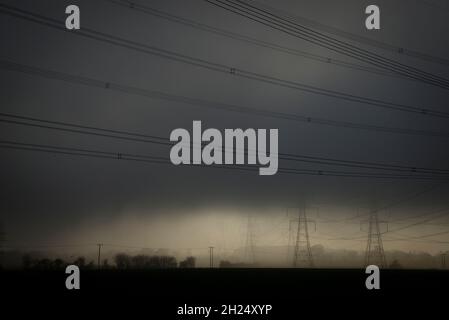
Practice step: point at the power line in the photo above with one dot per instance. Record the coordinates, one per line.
(416, 216)
(417, 240)
(162, 53)
(361, 39)
(153, 139)
(418, 223)
(436, 5)
(201, 103)
(429, 235)
(93, 245)
(308, 34)
(392, 204)
(400, 228)
(300, 31)
(94, 131)
(236, 36)
(162, 160)
(360, 164)
(406, 198)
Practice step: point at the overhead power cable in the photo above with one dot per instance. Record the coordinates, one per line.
(422, 222)
(394, 203)
(440, 6)
(202, 103)
(428, 235)
(153, 139)
(7, 144)
(243, 38)
(276, 22)
(166, 54)
(400, 50)
(441, 215)
(399, 220)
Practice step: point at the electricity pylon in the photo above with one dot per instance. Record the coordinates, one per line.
(291, 238)
(374, 248)
(302, 254)
(250, 252)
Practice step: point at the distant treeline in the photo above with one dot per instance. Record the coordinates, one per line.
(121, 261)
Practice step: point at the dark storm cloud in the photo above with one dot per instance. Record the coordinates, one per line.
(57, 191)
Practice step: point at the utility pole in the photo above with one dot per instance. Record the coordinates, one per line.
(99, 255)
(250, 254)
(374, 248)
(302, 253)
(211, 257)
(443, 261)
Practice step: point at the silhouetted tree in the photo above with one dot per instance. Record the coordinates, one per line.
(105, 264)
(58, 263)
(395, 265)
(140, 261)
(90, 265)
(44, 264)
(122, 261)
(80, 262)
(167, 262)
(189, 262)
(225, 264)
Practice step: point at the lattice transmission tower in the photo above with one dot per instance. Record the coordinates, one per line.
(291, 237)
(374, 248)
(302, 253)
(250, 246)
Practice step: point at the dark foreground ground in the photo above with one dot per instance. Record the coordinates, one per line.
(293, 293)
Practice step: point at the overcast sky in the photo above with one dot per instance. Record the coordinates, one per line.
(51, 198)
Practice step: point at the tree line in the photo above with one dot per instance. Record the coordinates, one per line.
(121, 261)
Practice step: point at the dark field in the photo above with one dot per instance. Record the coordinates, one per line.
(338, 292)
